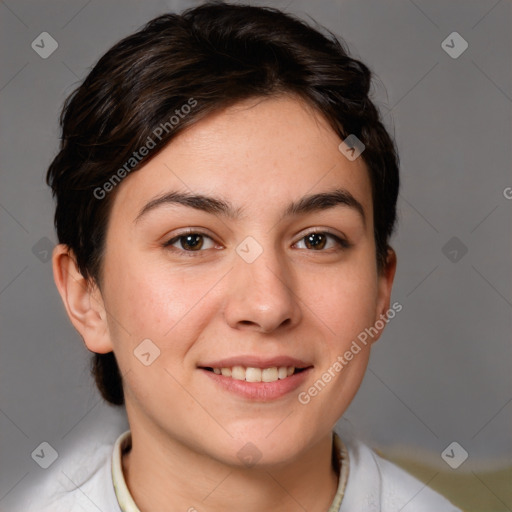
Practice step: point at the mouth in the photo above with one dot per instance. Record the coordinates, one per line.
(253, 374)
(257, 379)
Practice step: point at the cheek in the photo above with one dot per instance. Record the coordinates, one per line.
(346, 304)
(343, 305)
(157, 302)
(141, 303)
(343, 300)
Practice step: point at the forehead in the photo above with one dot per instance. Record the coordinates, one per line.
(261, 154)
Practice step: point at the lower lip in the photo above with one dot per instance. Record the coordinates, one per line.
(260, 391)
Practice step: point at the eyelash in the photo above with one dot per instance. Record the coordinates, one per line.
(342, 243)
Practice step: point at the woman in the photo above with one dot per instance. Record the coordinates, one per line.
(225, 194)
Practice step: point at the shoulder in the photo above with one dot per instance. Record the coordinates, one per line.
(375, 484)
(79, 481)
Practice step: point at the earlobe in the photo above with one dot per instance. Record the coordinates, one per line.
(82, 300)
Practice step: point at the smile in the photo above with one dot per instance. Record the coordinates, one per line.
(251, 374)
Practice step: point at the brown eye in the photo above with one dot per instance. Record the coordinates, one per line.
(190, 242)
(193, 242)
(318, 240)
(315, 240)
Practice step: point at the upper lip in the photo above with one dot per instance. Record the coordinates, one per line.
(249, 361)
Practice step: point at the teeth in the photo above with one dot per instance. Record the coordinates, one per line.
(256, 374)
(269, 375)
(253, 375)
(282, 372)
(225, 371)
(238, 373)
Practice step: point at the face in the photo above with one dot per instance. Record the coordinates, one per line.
(269, 273)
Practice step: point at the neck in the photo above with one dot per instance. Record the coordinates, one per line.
(174, 477)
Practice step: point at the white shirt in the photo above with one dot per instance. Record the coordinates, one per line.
(84, 482)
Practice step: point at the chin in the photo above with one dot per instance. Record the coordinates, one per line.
(259, 447)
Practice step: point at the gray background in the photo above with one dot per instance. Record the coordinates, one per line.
(442, 370)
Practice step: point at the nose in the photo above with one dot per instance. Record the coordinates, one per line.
(262, 294)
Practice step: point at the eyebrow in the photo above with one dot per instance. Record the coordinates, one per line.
(217, 206)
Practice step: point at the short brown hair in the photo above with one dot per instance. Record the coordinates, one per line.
(211, 56)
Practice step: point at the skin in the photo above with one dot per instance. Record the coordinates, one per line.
(205, 305)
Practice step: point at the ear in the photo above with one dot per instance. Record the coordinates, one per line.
(82, 299)
(385, 283)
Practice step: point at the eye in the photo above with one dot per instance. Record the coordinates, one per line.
(318, 240)
(190, 242)
(196, 241)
